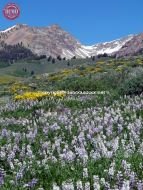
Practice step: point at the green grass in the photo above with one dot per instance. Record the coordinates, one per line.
(56, 172)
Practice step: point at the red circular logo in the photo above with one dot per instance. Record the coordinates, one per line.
(11, 11)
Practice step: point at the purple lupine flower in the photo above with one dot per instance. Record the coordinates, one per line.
(32, 183)
(11, 156)
(20, 174)
(140, 185)
(4, 133)
(1, 177)
(67, 185)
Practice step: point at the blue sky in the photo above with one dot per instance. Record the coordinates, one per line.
(90, 21)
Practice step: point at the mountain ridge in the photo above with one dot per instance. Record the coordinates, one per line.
(54, 41)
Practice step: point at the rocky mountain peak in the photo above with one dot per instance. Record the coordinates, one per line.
(55, 27)
(54, 41)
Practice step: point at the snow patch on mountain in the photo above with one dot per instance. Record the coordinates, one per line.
(84, 51)
(8, 29)
(13, 27)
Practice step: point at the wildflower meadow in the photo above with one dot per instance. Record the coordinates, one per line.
(74, 142)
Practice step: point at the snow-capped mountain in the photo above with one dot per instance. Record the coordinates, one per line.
(54, 41)
(101, 48)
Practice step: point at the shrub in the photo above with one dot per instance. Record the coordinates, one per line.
(133, 83)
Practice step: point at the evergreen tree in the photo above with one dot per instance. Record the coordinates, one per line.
(53, 61)
(32, 72)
